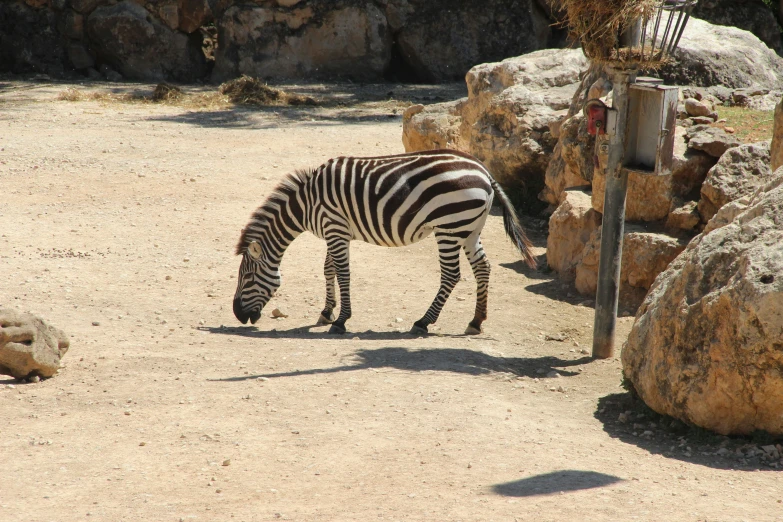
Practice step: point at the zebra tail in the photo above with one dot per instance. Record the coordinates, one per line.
(513, 227)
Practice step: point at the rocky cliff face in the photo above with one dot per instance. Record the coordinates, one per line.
(153, 40)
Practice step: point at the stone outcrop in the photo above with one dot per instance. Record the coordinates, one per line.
(29, 346)
(403, 40)
(645, 255)
(717, 55)
(141, 48)
(510, 118)
(439, 43)
(266, 42)
(776, 148)
(750, 16)
(712, 140)
(706, 344)
(739, 172)
(433, 126)
(570, 229)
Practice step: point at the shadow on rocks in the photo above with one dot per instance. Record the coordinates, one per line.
(627, 418)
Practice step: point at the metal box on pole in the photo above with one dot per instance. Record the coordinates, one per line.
(652, 111)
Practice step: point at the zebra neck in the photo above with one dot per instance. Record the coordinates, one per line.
(275, 229)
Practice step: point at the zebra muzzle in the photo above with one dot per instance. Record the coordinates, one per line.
(244, 316)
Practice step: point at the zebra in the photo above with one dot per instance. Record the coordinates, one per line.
(391, 201)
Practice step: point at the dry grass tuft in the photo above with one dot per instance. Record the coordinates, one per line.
(166, 93)
(247, 90)
(243, 91)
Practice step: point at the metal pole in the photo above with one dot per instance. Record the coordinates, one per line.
(608, 290)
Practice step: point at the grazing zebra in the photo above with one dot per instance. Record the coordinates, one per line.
(386, 200)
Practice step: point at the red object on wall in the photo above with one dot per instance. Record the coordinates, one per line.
(596, 112)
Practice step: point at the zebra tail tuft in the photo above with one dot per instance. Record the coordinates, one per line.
(513, 227)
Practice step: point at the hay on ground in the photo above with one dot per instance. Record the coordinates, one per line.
(166, 93)
(247, 90)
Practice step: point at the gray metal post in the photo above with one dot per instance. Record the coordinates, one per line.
(608, 290)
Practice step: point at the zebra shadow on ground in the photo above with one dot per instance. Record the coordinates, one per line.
(456, 360)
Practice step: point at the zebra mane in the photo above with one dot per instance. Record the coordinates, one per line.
(287, 186)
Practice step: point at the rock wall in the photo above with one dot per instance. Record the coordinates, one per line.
(153, 40)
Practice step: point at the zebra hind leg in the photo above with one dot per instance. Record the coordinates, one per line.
(327, 314)
(474, 251)
(448, 251)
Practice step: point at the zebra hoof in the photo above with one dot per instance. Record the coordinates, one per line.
(472, 330)
(324, 320)
(337, 329)
(419, 330)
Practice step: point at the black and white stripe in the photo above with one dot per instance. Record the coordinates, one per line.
(389, 201)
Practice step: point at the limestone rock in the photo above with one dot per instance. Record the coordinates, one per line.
(194, 14)
(739, 172)
(258, 41)
(776, 148)
(440, 43)
(743, 15)
(705, 347)
(570, 228)
(645, 255)
(433, 127)
(509, 116)
(712, 140)
(511, 105)
(648, 199)
(129, 39)
(716, 55)
(29, 346)
(689, 167)
(20, 51)
(683, 215)
(695, 107)
(756, 98)
(79, 55)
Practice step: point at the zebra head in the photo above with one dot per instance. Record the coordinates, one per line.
(257, 282)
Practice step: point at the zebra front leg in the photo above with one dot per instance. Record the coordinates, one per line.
(338, 250)
(327, 315)
(448, 253)
(474, 251)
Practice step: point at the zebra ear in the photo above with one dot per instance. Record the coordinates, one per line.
(254, 249)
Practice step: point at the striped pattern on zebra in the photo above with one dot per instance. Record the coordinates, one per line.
(387, 200)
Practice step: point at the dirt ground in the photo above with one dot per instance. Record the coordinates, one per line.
(118, 223)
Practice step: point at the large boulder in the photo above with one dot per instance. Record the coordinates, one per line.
(776, 148)
(436, 43)
(712, 140)
(570, 229)
(309, 41)
(718, 55)
(126, 37)
(29, 40)
(751, 16)
(706, 344)
(739, 172)
(689, 167)
(29, 346)
(510, 118)
(433, 127)
(646, 253)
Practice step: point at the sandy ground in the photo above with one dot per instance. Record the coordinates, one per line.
(118, 223)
